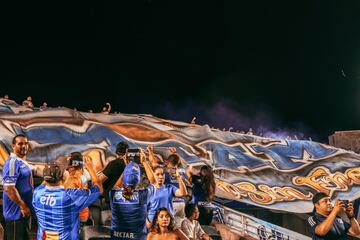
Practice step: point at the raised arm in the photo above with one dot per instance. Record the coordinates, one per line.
(355, 228)
(119, 181)
(181, 192)
(94, 178)
(152, 158)
(148, 170)
(323, 228)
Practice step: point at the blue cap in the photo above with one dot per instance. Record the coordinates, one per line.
(131, 175)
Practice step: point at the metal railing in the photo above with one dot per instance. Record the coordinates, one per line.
(256, 228)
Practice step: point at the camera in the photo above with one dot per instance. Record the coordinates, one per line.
(346, 202)
(133, 155)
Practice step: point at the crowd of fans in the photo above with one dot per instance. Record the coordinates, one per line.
(148, 197)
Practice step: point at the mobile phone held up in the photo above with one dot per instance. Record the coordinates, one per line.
(133, 155)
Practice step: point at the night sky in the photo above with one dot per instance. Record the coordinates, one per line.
(280, 66)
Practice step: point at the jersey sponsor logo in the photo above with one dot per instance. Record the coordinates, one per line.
(8, 181)
(118, 198)
(48, 199)
(50, 235)
(128, 235)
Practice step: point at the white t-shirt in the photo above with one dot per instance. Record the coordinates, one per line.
(192, 229)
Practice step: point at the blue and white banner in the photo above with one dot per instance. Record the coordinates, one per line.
(271, 173)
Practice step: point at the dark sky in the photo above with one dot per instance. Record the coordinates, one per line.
(271, 65)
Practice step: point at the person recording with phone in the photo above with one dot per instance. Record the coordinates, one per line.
(113, 170)
(325, 222)
(129, 202)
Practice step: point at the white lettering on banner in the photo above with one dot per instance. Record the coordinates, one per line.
(48, 200)
(124, 234)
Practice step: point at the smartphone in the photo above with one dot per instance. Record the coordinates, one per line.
(346, 202)
(133, 155)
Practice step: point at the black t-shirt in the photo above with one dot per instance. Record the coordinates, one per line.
(338, 231)
(112, 171)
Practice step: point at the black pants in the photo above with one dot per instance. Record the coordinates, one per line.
(206, 215)
(18, 230)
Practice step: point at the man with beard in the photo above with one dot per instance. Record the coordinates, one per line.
(18, 190)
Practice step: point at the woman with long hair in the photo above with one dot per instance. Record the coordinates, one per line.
(163, 193)
(162, 227)
(204, 189)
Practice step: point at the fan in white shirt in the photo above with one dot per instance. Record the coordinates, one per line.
(190, 226)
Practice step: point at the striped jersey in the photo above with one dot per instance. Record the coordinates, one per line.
(129, 215)
(57, 210)
(17, 172)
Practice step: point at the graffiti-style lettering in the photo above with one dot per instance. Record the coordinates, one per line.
(322, 180)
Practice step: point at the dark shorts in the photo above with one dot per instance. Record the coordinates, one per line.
(17, 230)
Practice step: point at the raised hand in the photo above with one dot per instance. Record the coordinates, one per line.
(350, 210)
(142, 155)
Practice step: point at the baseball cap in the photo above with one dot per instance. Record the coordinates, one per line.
(318, 196)
(131, 175)
(52, 172)
(76, 160)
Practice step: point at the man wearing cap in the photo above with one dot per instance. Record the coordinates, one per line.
(57, 209)
(325, 222)
(129, 204)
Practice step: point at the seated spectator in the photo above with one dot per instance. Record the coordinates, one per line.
(204, 188)
(106, 109)
(57, 209)
(162, 227)
(190, 226)
(28, 102)
(43, 106)
(129, 204)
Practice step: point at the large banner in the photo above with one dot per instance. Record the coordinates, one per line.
(271, 173)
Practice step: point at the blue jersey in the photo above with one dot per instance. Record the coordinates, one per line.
(162, 197)
(129, 216)
(173, 181)
(16, 172)
(57, 210)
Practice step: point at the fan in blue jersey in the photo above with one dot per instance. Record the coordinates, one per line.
(129, 204)
(173, 162)
(18, 190)
(57, 209)
(164, 193)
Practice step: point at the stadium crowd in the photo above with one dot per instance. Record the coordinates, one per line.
(147, 197)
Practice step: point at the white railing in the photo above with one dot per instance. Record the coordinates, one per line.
(257, 228)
